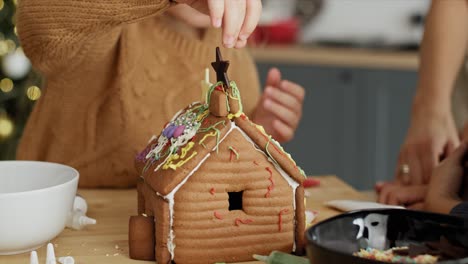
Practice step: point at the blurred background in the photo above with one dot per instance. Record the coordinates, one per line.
(19, 83)
(357, 60)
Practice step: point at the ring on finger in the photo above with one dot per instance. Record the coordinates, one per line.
(405, 169)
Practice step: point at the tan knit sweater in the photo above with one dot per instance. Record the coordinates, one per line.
(116, 71)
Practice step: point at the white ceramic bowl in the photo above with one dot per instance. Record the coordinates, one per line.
(35, 200)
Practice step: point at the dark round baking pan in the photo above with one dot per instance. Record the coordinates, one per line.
(336, 239)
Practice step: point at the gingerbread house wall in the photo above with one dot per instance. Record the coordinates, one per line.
(204, 228)
(151, 204)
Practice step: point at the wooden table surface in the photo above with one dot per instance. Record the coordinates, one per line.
(106, 242)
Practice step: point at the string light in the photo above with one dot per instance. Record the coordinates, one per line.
(6, 127)
(13, 19)
(16, 78)
(11, 45)
(3, 48)
(6, 85)
(33, 93)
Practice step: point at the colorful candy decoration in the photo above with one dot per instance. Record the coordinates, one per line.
(389, 256)
(178, 131)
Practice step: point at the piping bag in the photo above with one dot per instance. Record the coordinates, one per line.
(50, 258)
(77, 218)
(277, 257)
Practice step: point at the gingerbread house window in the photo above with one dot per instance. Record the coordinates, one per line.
(235, 200)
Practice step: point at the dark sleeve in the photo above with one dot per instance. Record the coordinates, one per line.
(460, 209)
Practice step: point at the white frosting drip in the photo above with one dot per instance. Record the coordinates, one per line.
(162, 163)
(153, 137)
(170, 197)
(162, 140)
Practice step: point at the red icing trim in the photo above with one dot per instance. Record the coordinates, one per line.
(310, 182)
(239, 221)
(280, 219)
(272, 185)
(218, 215)
(243, 116)
(232, 154)
(219, 88)
(212, 191)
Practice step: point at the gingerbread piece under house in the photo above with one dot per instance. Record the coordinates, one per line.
(214, 187)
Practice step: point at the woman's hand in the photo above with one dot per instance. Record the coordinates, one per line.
(446, 182)
(280, 108)
(238, 18)
(431, 137)
(410, 196)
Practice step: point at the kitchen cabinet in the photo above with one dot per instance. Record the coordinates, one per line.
(355, 119)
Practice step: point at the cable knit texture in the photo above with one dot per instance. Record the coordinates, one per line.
(115, 72)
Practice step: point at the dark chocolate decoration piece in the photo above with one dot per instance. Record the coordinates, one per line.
(220, 66)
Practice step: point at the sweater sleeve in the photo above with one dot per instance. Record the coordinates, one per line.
(460, 209)
(56, 33)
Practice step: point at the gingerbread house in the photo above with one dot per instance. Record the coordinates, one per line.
(214, 187)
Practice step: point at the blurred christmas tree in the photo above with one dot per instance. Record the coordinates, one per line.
(19, 84)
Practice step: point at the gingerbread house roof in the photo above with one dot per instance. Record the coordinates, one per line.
(195, 133)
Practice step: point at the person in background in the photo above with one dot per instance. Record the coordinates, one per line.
(439, 111)
(117, 70)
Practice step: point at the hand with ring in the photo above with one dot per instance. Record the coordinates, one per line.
(404, 169)
(430, 138)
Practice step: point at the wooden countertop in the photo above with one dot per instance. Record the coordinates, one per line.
(345, 57)
(106, 242)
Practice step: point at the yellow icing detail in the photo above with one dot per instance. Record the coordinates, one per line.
(182, 162)
(259, 127)
(169, 160)
(203, 115)
(212, 134)
(173, 157)
(238, 114)
(186, 149)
